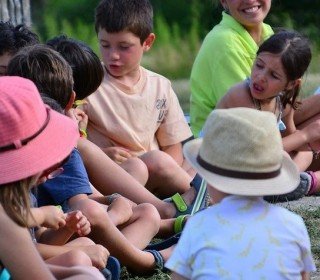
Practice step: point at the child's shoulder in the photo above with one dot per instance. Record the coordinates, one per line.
(236, 96)
(155, 76)
(286, 215)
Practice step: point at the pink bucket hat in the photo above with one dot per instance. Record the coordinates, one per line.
(32, 136)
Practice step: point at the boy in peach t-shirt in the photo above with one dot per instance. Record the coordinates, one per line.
(135, 112)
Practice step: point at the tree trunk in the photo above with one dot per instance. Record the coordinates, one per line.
(17, 11)
(4, 15)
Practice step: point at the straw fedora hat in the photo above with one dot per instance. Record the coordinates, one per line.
(32, 136)
(242, 154)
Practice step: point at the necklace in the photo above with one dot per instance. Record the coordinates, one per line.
(257, 103)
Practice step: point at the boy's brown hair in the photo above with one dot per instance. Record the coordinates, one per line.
(47, 69)
(135, 16)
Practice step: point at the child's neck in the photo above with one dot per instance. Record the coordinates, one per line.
(268, 104)
(256, 33)
(129, 80)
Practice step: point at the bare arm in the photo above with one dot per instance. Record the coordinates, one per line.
(47, 216)
(297, 140)
(175, 151)
(293, 139)
(305, 275)
(308, 109)
(237, 96)
(18, 253)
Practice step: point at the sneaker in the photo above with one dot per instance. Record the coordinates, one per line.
(299, 192)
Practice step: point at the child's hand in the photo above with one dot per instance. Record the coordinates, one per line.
(53, 217)
(98, 255)
(120, 210)
(79, 116)
(117, 154)
(82, 118)
(77, 222)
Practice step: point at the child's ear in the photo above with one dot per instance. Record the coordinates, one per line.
(147, 44)
(71, 101)
(293, 84)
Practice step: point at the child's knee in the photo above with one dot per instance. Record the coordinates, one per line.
(85, 241)
(77, 257)
(160, 163)
(149, 213)
(94, 212)
(137, 168)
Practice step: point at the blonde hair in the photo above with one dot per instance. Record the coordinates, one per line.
(15, 200)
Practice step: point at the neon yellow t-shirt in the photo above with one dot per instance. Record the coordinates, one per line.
(225, 58)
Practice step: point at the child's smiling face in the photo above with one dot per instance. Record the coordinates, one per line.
(122, 52)
(248, 13)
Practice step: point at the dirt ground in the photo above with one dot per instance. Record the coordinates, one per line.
(307, 202)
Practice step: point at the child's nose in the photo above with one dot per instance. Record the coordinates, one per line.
(114, 54)
(261, 76)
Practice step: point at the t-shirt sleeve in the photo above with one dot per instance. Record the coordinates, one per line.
(73, 181)
(174, 127)
(180, 260)
(305, 247)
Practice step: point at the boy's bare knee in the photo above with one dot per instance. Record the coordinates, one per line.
(93, 210)
(148, 212)
(137, 168)
(85, 241)
(78, 257)
(159, 162)
(149, 218)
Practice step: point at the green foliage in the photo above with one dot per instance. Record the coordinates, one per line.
(180, 26)
(78, 30)
(173, 53)
(311, 218)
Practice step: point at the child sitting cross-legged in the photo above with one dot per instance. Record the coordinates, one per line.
(51, 230)
(274, 86)
(135, 116)
(242, 236)
(87, 75)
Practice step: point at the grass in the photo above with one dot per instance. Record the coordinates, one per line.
(158, 275)
(311, 217)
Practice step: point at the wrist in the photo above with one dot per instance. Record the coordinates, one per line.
(83, 133)
(314, 152)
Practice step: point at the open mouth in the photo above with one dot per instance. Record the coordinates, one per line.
(251, 9)
(257, 88)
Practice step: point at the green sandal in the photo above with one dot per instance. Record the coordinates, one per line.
(180, 222)
(198, 203)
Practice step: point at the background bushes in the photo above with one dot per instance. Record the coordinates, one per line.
(180, 26)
